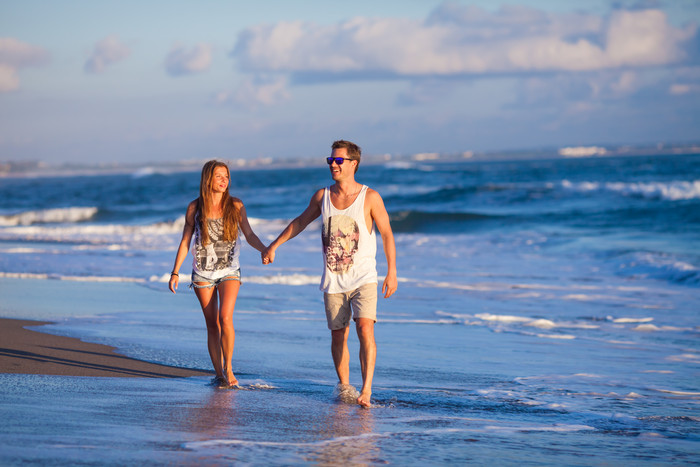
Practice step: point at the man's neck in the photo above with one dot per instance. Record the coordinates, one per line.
(346, 187)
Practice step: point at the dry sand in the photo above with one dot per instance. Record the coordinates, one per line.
(31, 352)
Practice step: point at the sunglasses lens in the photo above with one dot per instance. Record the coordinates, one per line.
(338, 160)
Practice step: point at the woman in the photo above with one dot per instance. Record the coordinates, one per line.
(215, 219)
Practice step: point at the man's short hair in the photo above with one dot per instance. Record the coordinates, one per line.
(354, 151)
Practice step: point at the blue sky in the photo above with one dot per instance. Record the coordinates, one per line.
(148, 81)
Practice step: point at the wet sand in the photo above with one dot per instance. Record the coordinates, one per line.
(24, 351)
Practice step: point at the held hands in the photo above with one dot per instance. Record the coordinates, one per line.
(268, 255)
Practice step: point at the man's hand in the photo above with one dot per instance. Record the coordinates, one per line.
(390, 285)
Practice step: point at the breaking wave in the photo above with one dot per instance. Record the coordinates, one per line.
(50, 216)
(670, 191)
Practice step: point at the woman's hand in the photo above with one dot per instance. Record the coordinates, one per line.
(174, 280)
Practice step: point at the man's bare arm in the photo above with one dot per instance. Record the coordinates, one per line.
(295, 227)
(381, 220)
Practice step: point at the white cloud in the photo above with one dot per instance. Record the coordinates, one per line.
(9, 81)
(681, 89)
(106, 52)
(15, 54)
(181, 61)
(257, 91)
(464, 40)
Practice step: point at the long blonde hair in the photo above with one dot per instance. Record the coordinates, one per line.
(231, 215)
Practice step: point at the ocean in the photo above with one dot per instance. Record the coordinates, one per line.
(548, 313)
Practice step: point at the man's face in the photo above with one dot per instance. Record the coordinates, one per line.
(344, 170)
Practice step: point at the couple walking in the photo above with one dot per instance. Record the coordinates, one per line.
(350, 212)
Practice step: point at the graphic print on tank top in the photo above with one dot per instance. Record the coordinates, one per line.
(341, 236)
(216, 255)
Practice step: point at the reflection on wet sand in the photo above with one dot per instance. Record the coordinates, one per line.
(242, 426)
(215, 417)
(349, 431)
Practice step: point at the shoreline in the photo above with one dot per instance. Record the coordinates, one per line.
(24, 351)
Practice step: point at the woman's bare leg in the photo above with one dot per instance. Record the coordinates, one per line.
(228, 293)
(210, 308)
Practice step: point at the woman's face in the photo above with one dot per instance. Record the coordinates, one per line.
(219, 181)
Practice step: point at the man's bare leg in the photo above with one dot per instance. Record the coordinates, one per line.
(368, 358)
(341, 355)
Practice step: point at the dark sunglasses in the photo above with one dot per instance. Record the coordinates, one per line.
(338, 160)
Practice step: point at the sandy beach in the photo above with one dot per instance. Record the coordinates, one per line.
(24, 351)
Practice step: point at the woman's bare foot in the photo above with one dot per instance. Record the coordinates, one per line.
(364, 399)
(231, 380)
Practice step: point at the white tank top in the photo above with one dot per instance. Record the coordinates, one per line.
(218, 258)
(349, 249)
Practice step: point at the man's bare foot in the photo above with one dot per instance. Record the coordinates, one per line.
(218, 381)
(346, 393)
(364, 399)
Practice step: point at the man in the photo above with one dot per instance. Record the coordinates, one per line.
(349, 211)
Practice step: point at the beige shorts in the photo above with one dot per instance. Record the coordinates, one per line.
(361, 301)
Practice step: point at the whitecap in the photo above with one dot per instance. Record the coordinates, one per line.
(60, 277)
(676, 190)
(164, 278)
(50, 216)
(670, 191)
(502, 318)
(542, 324)
(677, 393)
(593, 297)
(112, 234)
(653, 328)
(557, 336)
(23, 275)
(289, 279)
(581, 186)
(22, 250)
(632, 320)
